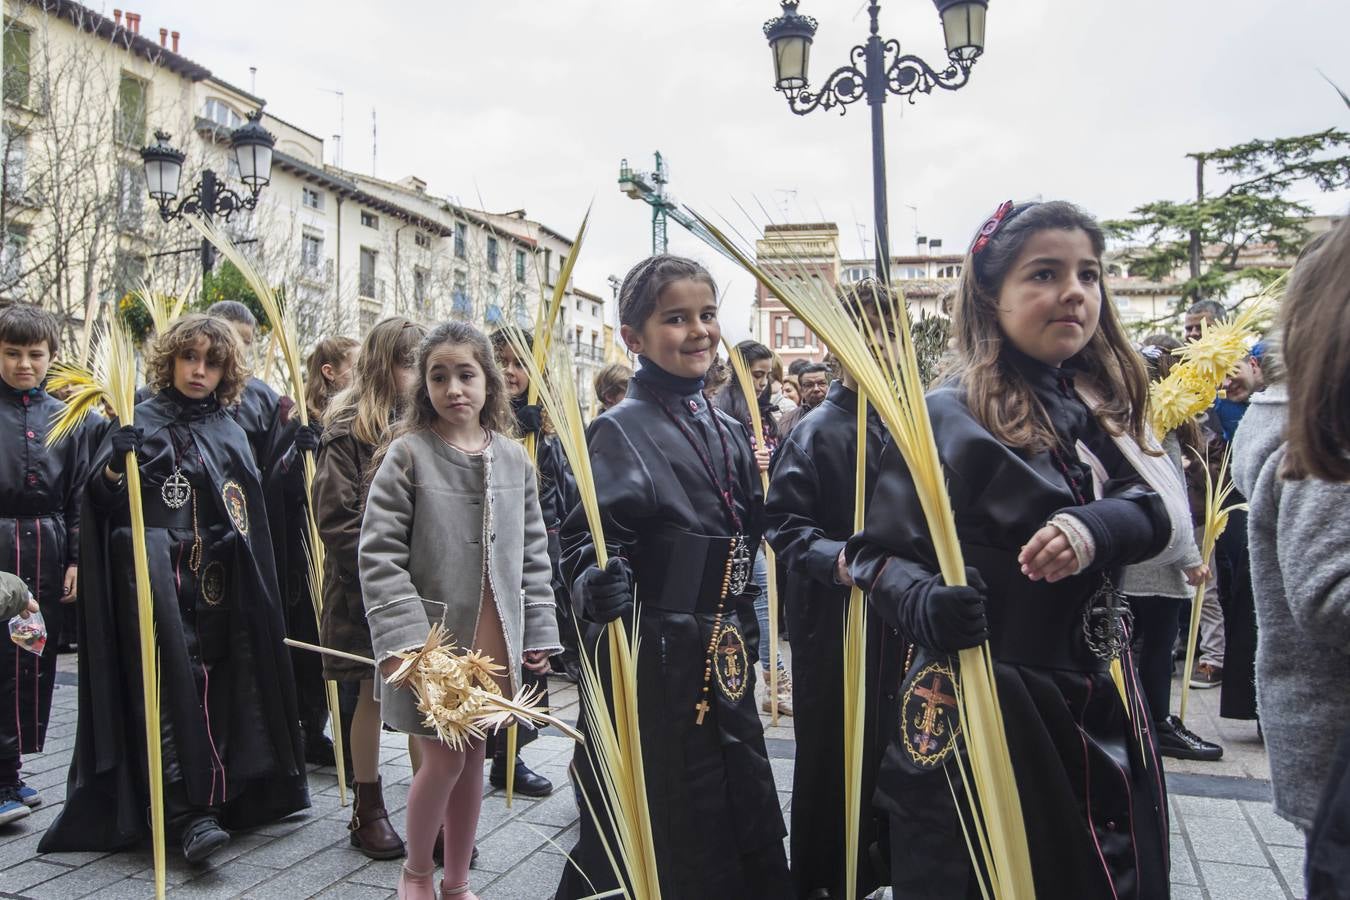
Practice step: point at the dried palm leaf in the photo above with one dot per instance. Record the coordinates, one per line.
(283, 335)
(747, 386)
(882, 358)
(854, 699)
(615, 746)
(113, 381)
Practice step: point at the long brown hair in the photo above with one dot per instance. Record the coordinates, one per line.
(224, 350)
(996, 393)
(374, 398)
(329, 351)
(1316, 324)
(420, 414)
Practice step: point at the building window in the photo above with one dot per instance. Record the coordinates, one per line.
(128, 272)
(11, 257)
(796, 334)
(370, 220)
(459, 295)
(219, 111)
(311, 251)
(130, 198)
(422, 239)
(311, 198)
(949, 272)
(367, 318)
(461, 236)
(492, 254)
(422, 290)
(777, 332)
(131, 103)
(15, 162)
(909, 273)
(520, 265)
(595, 310)
(495, 316)
(16, 77)
(366, 284)
(523, 319)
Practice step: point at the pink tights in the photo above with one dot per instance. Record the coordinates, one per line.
(447, 791)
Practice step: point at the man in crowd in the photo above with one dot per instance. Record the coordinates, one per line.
(814, 380)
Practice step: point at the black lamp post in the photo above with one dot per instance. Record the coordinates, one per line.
(876, 69)
(252, 147)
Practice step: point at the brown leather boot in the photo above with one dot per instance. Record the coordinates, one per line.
(371, 832)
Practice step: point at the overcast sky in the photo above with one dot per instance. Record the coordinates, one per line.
(510, 104)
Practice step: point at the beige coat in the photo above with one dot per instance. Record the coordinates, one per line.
(422, 548)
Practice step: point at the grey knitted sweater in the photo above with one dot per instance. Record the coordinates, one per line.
(1300, 555)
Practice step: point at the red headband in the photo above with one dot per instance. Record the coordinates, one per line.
(990, 227)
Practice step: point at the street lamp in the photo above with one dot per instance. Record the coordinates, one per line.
(876, 69)
(251, 145)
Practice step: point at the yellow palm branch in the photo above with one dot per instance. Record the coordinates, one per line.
(112, 380)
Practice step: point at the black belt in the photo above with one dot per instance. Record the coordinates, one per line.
(681, 572)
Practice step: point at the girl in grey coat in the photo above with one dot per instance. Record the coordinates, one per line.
(453, 534)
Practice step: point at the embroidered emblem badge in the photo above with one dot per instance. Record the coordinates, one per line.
(236, 505)
(731, 663)
(213, 583)
(929, 721)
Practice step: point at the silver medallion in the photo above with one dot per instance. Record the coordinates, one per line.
(742, 565)
(176, 490)
(1107, 622)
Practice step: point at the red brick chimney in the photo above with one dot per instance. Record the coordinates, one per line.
(134, 22)
(174, 36)
(164, 38)
(117, 17)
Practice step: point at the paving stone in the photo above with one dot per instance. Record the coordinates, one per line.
(1231, 882)
(1290, 860)
(233, 880)
(1207, 806)
(1186, 892)
(1271, 828)
(1183, 869)
(291, 848)
(536, 877)
(508, 845)
(378, 873)
(130, 889)
(27, 874)
(782, 774)
(80, 882)
(559, 810)
(179, 871)
(1223, 840)
(347, 890)
(309, 877)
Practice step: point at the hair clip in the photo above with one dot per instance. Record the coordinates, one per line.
(990, 227)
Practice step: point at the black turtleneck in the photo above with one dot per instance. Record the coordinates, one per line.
(189, 409)
(653, 376)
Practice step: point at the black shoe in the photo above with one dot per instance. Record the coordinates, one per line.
(473, 860)
(1179, 742)
(202, 838)
(528, 782)
(438, 851)
(319, 750)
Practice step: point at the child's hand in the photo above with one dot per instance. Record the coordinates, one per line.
(762, 458)
(1048, 555)
(69, 584)
(536, 661)
(390, 666)
(1197, 575)
(32, 608)
(841, 573)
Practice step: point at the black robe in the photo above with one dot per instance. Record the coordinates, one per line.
(1091, 785)
(716, 821)
(39, 538)
(227, 705)
(809, 512)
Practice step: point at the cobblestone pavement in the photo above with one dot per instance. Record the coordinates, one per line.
(1226, 843)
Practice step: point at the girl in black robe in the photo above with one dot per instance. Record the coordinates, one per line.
(230, 734)
(1048, 501)
(678, 489)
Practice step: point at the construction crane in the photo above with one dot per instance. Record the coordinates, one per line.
(650, 187)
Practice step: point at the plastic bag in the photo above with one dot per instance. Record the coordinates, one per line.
(29, 634)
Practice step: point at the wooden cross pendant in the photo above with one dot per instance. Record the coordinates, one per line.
(702, 707)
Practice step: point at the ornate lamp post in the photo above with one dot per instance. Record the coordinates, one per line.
(252, 147)
(877, 68)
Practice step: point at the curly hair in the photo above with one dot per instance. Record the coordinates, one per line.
(996, 393)
(222, 349)
(419, 414)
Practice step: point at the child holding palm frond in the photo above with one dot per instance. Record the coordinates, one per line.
(679, 497)
(452, 536)
(1041, 432)
(231, 741)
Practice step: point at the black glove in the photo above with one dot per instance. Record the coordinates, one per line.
(127, 439)
(530, 418)
(605, 594)
(947, 618)
(307, 438)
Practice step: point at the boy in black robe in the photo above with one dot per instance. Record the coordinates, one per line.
(39, 534)
(810, 516)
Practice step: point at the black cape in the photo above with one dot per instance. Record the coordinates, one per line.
(1091, 786)
(717, 824)
(809, 512)
(39, 538)
(259, 775)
